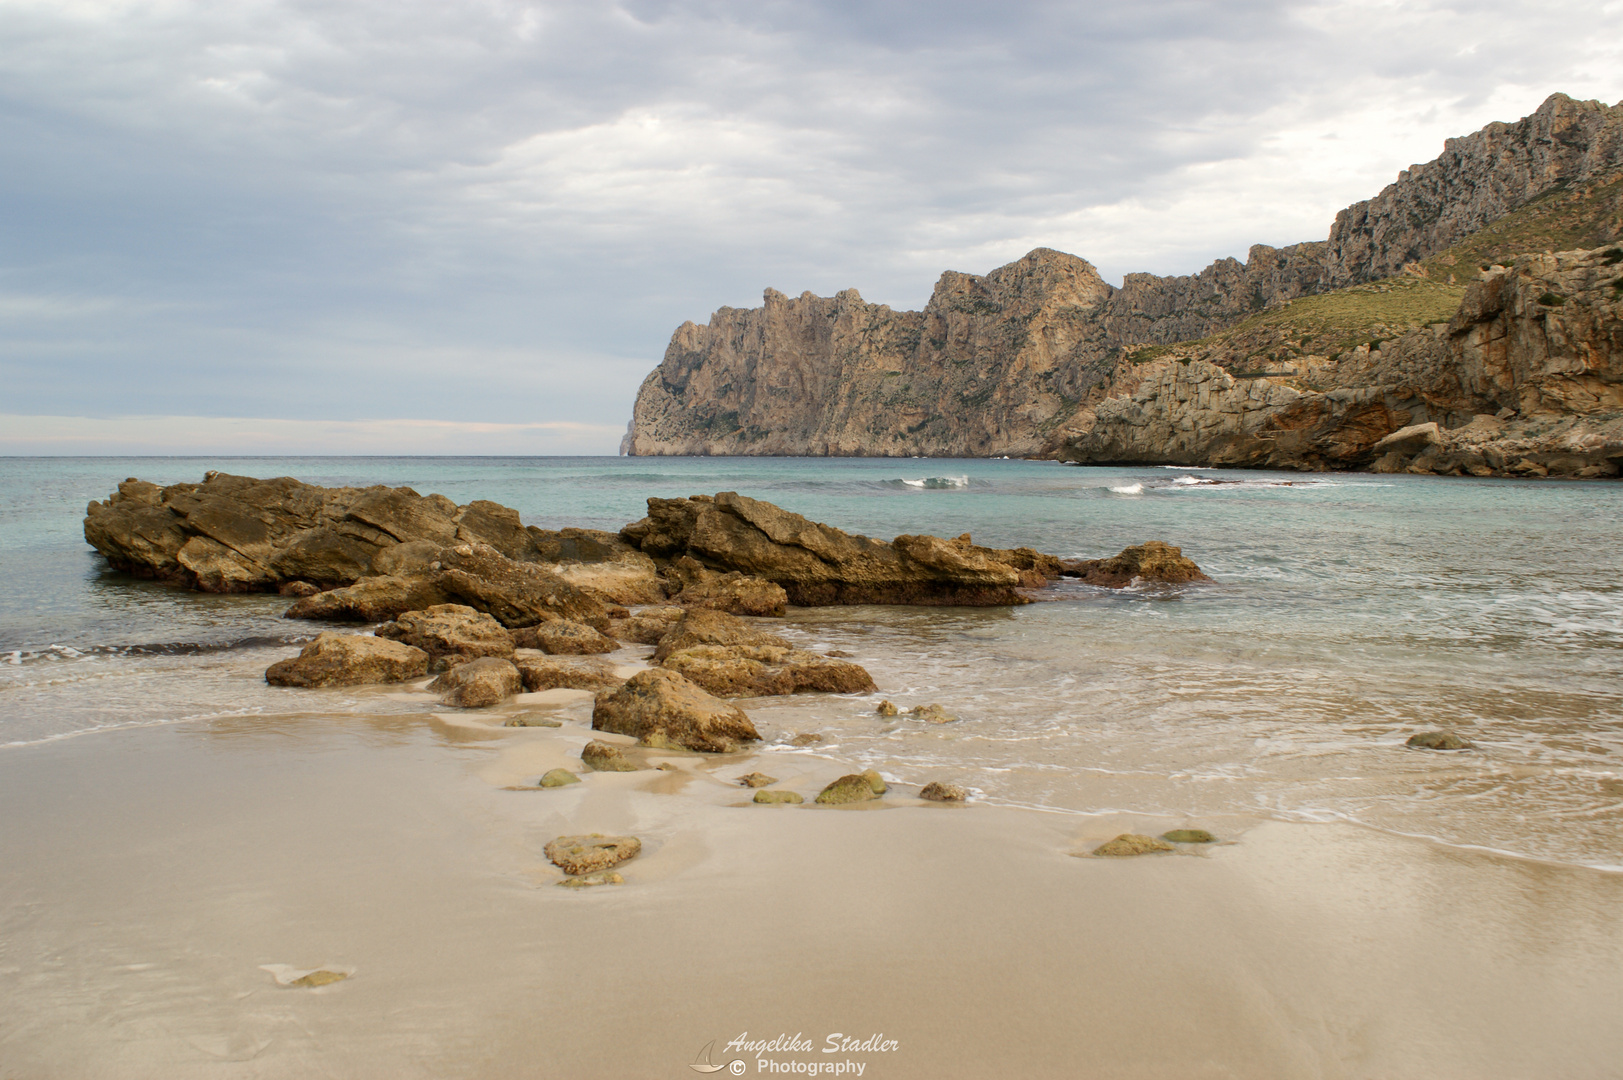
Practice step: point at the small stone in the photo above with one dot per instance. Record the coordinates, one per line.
(588, 880)
(1189, 836)
(775, 798)
(1437, 740)
(875, 781)
(532, 721)
(807, 738)
(605, 757)
(935, 714)
(577, 855)
(936, 791)
(1132, 844)
(848, 789)
(559, 778)
(757, 779)
(839, 654)
(319, 978)
(887, 709)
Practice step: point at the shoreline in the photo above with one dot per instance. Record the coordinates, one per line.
(142, 903)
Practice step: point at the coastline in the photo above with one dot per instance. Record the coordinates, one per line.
(160, 868)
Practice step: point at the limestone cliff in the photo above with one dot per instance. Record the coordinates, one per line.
(1020, 361)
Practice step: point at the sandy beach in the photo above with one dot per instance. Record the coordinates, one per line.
(165, 869)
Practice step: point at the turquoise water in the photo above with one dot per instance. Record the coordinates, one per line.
(1349, 612)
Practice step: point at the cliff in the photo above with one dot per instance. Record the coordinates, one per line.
(1020, 361)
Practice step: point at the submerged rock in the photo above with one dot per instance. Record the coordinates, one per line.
(757, 780)
(450, 630)
(658, 705)
(886, 708)
(1437, 740)
(1152, 561)
(936, 791)
(778, 798)
(558, 778)
(935, 714)
(349, 660)
(606, 757)
(532, 721)
(856, 787)
(805, 738)
(1189, 836)
(1132, 844)
(587, 854)
(478, 684)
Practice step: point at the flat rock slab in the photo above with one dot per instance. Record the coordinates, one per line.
(1437, 740)
(588, 854)
(936, 791)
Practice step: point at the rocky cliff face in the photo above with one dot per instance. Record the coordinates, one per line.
(1008, 362)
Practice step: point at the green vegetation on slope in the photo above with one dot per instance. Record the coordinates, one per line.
(1562, 219)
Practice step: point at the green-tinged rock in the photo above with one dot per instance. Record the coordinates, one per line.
(757, 779)
(875, 781)
(1132, 844)
(559, 778)
(848, 789)
(1189, 836)
(532, 721)
(577, 855)
(319, 978)
(886, 708)
(773, 798)
(588, 880)
(605, 757)
(1437, 740)
(936, 791)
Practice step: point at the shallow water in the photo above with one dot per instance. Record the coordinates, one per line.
(1349, 612)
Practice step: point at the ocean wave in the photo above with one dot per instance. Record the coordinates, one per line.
(69, 653)
(938, 483)
(1127, 489)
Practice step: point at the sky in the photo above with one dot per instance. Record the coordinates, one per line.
(470, 226)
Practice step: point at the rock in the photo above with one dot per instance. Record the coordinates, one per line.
(1437, 740)
(664, 704)
(607, 877)
(777, 798)
(1189, 836)
(373, 599)
(732, 592)
(756, 780)
(450, 630)
(705, 627)
(562, 637)
(349, 660)
(577, 855)
(479, 683)
(320, 977)
(849, 789)
(606, 757)
(552, 673)
(886, 709)
(936, 791)
(730, 657)
(297, 589)
(875, 781)
(806, 738)
(518, 594)
(559, 778)
(532, 721)
(1132, 844)
(648, 626)
(1152, 561)
(935, 714)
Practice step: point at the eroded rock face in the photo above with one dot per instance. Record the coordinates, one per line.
(450, 630)
(661, 707)
(479, 683)
(349, 660)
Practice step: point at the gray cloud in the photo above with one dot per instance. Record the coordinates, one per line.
(498, 211)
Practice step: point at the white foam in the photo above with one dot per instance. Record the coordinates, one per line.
(1128, 489)
(938, 482)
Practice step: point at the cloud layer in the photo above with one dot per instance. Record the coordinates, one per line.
(495, 212)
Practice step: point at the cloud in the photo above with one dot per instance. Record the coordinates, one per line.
(497, 210)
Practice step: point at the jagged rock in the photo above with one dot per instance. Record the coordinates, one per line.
(848, 789)
(479, 683)
(1152, 561)
(1132, 844)
(757, 780)
(778, 798)
(562, 637)
(558, 778)
(349, 660)
(1189, 836)
(658, 705)
(887, 708)
(550, 673)
(450, 630)
(589, 854)
(606, 757)
(732, 592)
(936, 791)
(1437, 740)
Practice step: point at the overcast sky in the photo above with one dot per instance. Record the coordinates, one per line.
(444, 226)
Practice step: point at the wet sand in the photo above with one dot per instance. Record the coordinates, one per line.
(146, 877)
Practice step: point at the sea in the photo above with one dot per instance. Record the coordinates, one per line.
(1348, 612)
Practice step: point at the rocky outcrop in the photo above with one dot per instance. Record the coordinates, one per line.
(997, 364)
(349, 660)
(1153, 561)
(1525, 378)
(450, 630)
(661, 708)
